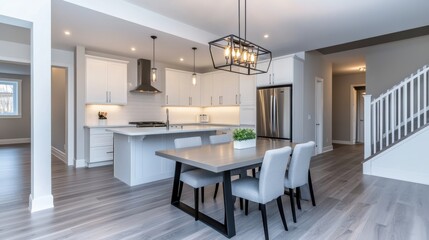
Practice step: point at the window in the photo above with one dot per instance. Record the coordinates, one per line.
(10, 98)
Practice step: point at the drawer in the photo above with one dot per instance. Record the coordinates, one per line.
(99, 131)
(101, 140)
(99, 154)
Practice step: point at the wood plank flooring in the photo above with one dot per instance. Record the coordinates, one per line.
(92, 204)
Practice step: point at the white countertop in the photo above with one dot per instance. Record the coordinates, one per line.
(109, 126)
(134, 131)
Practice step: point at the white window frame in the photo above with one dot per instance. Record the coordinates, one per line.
(17, 97)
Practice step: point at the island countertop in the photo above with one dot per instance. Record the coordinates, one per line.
(134, 131)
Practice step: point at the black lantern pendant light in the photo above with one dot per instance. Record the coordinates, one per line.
(194, 75)
(239, 55)
(153, 70)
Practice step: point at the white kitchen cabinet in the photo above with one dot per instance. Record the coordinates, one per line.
(179, 88)
(247, 90)
(98, 147)
(106, 81)
(280, 72)
(225, 89)
(206, 90)
(172, 88)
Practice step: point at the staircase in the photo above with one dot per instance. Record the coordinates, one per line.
(396, 133)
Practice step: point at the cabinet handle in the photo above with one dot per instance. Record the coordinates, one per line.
(219, 101)
(239, 98)
(236, 99)
(270, 79)
(167, 99)
(110, 96)
(189, 101)
(110, 152)
(221, 97)
(211, 100)
(273, 78)
(107, 96)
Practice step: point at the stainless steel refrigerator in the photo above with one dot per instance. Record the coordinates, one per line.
(274, 112)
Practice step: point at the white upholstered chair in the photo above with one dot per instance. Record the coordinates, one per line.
(195, 177)
(298, 174)
(269, 186)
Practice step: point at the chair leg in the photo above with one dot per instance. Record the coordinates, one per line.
(241, 204)
(282, 213)
(310, 185)
(246, 207)
(196, 193)
(202, 194)
(216, 189)
(264, 220)
(180, 189)
(298, 197)
(292, 204)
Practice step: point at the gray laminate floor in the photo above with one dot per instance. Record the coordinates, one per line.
(91, 204)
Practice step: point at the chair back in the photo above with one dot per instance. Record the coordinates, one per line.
(185, 143)
(271, 179)
(221, 138)
(300, 163)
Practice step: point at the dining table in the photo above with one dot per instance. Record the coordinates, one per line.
(218, 158)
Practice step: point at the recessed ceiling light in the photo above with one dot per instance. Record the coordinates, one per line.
(133, 49)
(266, 36)
(181, 59)
(67, 33)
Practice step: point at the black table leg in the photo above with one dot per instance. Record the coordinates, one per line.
(175, 198)
(228, 204)
(228, 227)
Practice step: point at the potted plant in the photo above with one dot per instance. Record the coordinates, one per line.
(102, 118)
(244, 138)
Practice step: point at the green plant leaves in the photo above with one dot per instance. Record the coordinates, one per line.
(242, 134)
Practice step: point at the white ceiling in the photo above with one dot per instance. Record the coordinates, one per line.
(293, 26)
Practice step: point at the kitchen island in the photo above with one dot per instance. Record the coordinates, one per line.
(135, 161)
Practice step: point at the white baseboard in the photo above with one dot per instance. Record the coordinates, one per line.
(41, 203)
(327, 149)
(343, 142)
(14, 141)
(79, 163)
(59, 154)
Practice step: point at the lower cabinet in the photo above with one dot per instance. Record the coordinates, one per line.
(98, 147)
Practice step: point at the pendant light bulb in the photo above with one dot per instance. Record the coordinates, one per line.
(194, 79)
(194, 75)
(153, 70)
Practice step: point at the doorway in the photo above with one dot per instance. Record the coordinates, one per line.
(360, 124)
(319, 115)
(357, 124)
(58, 113)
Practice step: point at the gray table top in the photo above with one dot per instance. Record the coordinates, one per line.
(223, 157)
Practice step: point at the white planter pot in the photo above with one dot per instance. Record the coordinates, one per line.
(102, 122)
(245, 144)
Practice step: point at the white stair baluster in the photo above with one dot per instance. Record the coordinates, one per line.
(412, 104)
(418, 99)
(399, 113)
(405, 109)
(374, 127)
(392, 115)
(381, 123)
(425, 97)
(386, 119)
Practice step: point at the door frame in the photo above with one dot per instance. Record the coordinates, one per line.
(318, 114)
(353, 111)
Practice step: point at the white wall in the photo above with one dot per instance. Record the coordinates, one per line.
(406, 161)
(37, 16)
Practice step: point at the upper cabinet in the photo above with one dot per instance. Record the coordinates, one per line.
(106, 81)
(179, 90)
(220, 89)
(280, 72)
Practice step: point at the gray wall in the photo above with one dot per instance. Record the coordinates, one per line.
(388, 64)
(341, 94)
(58, 105)
(316, 65)
(11, 128)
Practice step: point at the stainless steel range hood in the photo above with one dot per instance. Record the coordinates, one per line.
(143, 78)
